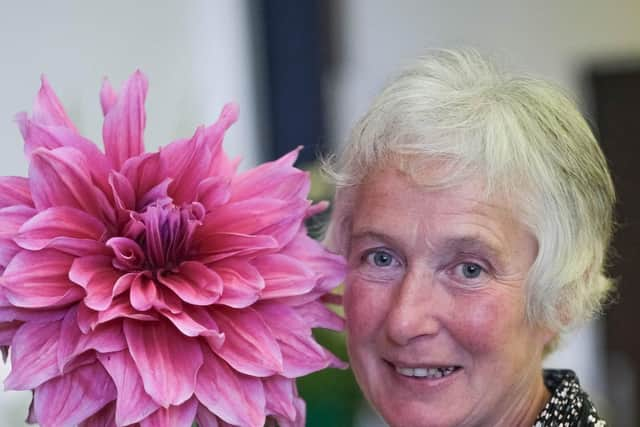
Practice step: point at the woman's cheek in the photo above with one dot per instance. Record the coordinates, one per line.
(481, 324)
(364, 305)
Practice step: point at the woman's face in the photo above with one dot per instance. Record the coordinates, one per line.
(435, 306)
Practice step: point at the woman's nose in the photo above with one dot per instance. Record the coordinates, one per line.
(415, 310)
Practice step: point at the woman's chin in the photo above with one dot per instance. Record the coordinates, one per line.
(416, 399)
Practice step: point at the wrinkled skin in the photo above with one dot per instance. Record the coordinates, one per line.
(436, 278)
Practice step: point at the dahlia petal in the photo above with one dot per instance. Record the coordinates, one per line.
(84, 268)
(108, 96)
(128, 254)
(123, 192)
(33, 355)
(106, 417)
(86, 358)
(284, 225)
(301, 354)
(9, 314)
(285, 231)
(52, 137)
(158, 192)
(133, 403)
(316, 209)
(47, 108)
(105, 338)
(186, 233)
(89, 319)
(249, 345)
(65, 228)
(122, 308)
(161, 345)
(61, 177)
(194, 283)
(143, 293)
(235, 398)
(100, 290)
(283, 275)
(31, 417)
(227, 117)
(167, 301)
(277, 179)
(242, 282)
(154, 221)
(68, 245)
(323, 286)
(173, 416)
(7, 331)
(14, 190)
(12, 218)
(205, 418)
(258, 214)
(317, 315)
(196, 322)
(301, 409)
(214, 134)
(143, 173)
(280, 396)
(213, 247)
(187, 162)
(71, 398)
(8, 249)
(39, 279)
(213, 191)
(123, 284)
(124, 122)
(331, 268)
(134, 228)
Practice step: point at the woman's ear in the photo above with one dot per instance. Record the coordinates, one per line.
(549, 335)
(550, 339)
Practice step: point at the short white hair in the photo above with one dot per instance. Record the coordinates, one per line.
(529, 142)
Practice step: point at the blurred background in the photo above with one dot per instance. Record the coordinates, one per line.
(303, 72)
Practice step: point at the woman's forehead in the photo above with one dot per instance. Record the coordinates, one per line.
(426, 187)
(392, 205)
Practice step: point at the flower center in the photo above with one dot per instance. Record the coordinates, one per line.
(163, 233)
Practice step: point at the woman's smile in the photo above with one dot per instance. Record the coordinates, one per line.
(474, 208)
(435, 303)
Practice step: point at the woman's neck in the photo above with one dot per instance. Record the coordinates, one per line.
(524, 411)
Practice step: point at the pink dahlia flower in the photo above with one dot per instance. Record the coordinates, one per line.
(156, 289)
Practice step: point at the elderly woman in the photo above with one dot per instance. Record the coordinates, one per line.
(475, 211)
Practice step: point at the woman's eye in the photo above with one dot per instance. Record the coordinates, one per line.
(470, 270)
(380, 258)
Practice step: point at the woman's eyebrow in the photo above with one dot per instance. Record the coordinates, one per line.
(370, 234)
(474, 244)
(367, 233)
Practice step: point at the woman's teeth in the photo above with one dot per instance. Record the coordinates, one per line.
(425, 372)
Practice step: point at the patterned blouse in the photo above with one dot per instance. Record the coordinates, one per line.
(569, 405)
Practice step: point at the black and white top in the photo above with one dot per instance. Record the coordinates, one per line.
(569, 405)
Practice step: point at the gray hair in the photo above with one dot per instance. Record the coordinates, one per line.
(529, 142)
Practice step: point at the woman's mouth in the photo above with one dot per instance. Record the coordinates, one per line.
(426, 372)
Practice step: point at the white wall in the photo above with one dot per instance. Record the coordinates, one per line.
(553, 40)
(196, 54)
